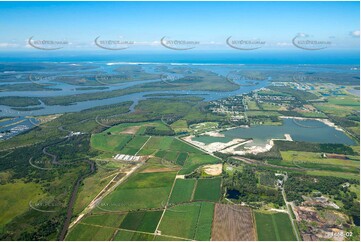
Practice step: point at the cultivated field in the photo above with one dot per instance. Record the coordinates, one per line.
(110, 142)
(108, 219)
(208, 190)
(188, 221)
(182, 191)
(274, 226)
(142, 190)
(233, 222)
(142, 221)
(124, 235)
(315, 160)
(90, 232)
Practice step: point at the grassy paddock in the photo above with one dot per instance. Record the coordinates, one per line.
(142, 190)
(274, 227)
(90, 232)
(208, 190)
(182, 191)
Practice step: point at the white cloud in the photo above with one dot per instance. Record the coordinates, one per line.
(8, 45)
(303, 35)
(283, 44)
(355, 33)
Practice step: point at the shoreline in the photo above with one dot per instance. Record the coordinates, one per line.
(229, 147)
(322, 120)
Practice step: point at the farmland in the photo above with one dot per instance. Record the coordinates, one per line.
(190, 221)
(141, 221)
(182, 191)
(90, 232)
(127, 172)
(274, 226)
(208, 189)
(233, 222)
(143, 190)
(108, 220)
(315, 160)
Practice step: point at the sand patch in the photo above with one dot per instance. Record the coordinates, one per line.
(214, 134)
(213, 170)
(130, 130)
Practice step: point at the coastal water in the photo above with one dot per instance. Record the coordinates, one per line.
(69, 89)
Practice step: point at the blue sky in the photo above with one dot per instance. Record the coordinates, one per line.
(209, 23)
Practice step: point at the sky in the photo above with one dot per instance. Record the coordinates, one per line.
(207, 25)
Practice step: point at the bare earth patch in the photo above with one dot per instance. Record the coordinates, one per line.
(213, 170)
(162, 169)
(130, 130)
(233, 222)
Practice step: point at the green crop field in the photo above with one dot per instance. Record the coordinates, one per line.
(182, 191)
(188, 221)
(196, 160)
(134, 145)
(123, 235)
(110, 219)
(156, 163)
(142, 221)
(166, 238)
(159, 143)
(106, 142)
(181, 146)
(208, 190)
(349, 175)
(142, 237)
(204, 226)
(181, 220)
(150, 221)
(167, 155)
(180, 126)
(181, 158)
(274, 226)
(90, 232)
(178, 152)
(142, 190)
(310, 157)
(121, 127)
(345, 101)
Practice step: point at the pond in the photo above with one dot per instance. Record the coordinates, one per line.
(299, 130)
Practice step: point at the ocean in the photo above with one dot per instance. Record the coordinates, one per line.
(189, 57)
